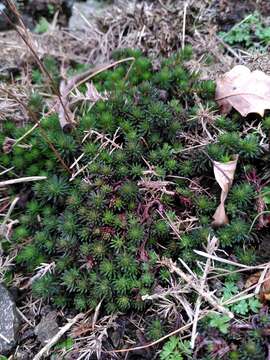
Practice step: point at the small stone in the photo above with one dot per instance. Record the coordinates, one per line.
(47, 328)
(4, 25)
(88, 9)
(9, 322)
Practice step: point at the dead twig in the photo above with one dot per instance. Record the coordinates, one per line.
(177, 331)
(184, 25)
(211, 247)
(20, 180)
(105, 141)
(45, 350)
(188, 279)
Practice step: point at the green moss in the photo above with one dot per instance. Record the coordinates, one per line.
(102, 230)
(35, 102)
(55, 188)
(266, 123)
(241, 194)
(250, 147)
(45, 287)
(155, 330)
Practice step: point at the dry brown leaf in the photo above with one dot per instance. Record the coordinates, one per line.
(66, 117)
(253, 279)
(224, 175)
(265, 289)
(245, 91)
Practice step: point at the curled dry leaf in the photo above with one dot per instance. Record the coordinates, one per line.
(265, 289)
(69, 99)
(224, 175)
(93, 95)
(66, 116)
(254, 279)
(245, 91)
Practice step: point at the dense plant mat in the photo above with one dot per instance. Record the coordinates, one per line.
(135, 183)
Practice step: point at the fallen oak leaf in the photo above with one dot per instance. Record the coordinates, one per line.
(245, 91)
(224, 175)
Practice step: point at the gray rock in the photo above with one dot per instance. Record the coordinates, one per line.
(32, 10)
(88, 9)
(47, 328)
(4, 25)
(39, 8)
(9, 322)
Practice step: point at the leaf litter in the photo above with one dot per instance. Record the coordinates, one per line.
(245, 91)
(224, 175)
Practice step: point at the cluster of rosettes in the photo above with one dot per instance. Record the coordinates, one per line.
(93, 230)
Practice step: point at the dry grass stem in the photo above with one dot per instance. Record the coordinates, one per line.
(22, 180)
(212, 245)
(184, 24)
(207, 296)
(45, 350)
(225, 261)
(105, 142)
(7, 223)
(93, 343)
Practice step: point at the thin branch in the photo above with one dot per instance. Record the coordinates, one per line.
(177, 331)
(20, 180)
(45, 350)
(211, 247)
(207, 296)
(184, 25)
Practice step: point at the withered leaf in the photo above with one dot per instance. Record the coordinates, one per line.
(224, 175)
(265, 289)
(245, 91)
(253, 279)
